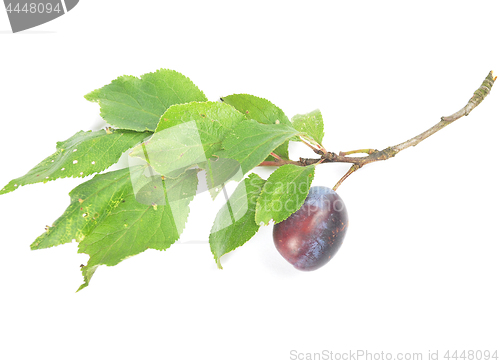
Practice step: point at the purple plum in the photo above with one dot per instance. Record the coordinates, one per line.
(311, 236)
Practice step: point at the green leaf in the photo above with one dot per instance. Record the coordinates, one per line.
(83, 154)
(151, 216)
(257, 108)
(91, 202)
(187, 135)
(251, 142)
(284, 192)
(310, 123)
(262, 111)
(137, 103)
(235, 223)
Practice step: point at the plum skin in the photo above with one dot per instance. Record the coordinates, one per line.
(311, 236)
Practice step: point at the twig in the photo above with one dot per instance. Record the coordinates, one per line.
(365, 151)
(374, 155)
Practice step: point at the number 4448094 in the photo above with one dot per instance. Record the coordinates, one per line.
(471, 355)
(34, 8)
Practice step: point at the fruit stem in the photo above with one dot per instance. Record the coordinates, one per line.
(351, 170)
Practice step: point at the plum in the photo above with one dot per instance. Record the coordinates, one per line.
(311, 236)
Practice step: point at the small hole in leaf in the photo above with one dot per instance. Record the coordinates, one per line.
(85, 215)
(62, 169)
(93, 162)
(75, 161)
(81, 173)
(74, 150)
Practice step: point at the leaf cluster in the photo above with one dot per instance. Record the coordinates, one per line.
(183, 141)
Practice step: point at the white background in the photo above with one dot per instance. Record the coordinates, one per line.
(419, 269)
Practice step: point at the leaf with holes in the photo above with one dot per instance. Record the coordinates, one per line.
(284, 193)
(151, 215)
(137, 103)
(83, 154)
(235, 223)
(91, 202)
